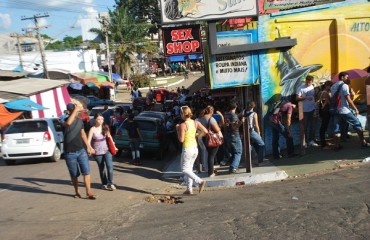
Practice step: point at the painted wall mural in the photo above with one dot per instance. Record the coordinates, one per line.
(331, 38)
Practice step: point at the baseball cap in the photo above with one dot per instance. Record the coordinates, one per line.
(71, 107)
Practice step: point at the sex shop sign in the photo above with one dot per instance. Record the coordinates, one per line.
(183, 40)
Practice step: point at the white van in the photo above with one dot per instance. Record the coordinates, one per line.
(33, 138)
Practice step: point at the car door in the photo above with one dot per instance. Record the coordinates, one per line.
(59, 133)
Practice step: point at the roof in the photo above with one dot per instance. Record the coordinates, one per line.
(29, 86)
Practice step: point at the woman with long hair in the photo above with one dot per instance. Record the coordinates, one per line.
(98, 137)
(324, 113)
(210, 123)
(187, 133)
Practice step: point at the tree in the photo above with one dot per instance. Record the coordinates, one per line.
(144, 10)
(128, 35)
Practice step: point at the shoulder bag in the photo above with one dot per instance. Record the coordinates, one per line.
(213, 140)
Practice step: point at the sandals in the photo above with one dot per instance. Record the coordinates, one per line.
(77, 195)
(202, 185)
(91, 197)
(187, 192)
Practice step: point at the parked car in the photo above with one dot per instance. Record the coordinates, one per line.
(152, 131)
(93, 101)
(154, 114)
(161, 94)
(33, 138)
(140, 104)
(97, 109)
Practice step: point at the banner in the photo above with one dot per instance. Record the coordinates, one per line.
(234, 69)
(174, 11)
(184, 40)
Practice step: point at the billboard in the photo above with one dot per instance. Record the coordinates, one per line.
(184, 40)
(229, 70)
(288, 4)
(174, 11)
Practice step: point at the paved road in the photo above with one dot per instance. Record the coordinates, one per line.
(333, 206)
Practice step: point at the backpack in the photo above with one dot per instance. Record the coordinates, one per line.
(335, 101)
(275, 115)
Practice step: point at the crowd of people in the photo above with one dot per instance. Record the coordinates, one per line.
(187, 128)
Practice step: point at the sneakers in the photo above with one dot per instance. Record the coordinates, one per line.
(365, 145)
(188, 192)
(112, 187)
(313, 144)
(234, 171)
(104, 187)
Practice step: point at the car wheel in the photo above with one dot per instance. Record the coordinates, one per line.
(9, 162)
(56, 155)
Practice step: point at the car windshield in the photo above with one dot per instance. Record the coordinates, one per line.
(146, 126)
(151, 114)
(26, 127)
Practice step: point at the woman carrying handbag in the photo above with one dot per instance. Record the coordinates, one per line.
(98, 135)
(210, 123)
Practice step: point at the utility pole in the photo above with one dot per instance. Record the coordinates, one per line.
(18, 47)
(41, 44)
(105, 30)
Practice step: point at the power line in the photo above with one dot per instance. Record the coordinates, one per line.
(41, 45)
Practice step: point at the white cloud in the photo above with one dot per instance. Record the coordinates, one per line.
(5, 21)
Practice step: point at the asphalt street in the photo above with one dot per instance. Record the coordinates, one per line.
(330, 206)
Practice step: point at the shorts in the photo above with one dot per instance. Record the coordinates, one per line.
(77, 163)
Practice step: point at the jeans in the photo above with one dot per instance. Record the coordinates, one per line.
(135, 148)
(342, 119)
(211, 157)
(235, 150)
(278, 129)
(309, 131)
(203, 154)
(76, 162)
(259, 145)
(325, 119)
(188, 157)
(105, 160)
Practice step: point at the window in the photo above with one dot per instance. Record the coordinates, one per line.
(27, 127)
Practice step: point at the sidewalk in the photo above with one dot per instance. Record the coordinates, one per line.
(315, 161)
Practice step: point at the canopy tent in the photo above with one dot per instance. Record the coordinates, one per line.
(99, 77)
(182, 58)
(55, 100)
(24, 105)
(6, 117)
(116, 77)
(83, 78)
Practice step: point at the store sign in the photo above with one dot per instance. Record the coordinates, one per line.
(287, 4)
(234, 69)
(174, 11)
(182, 41)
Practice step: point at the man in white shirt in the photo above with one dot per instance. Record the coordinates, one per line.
(306, 94)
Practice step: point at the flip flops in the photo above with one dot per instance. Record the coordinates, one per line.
(91, 197)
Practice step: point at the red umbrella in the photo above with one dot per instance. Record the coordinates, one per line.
(352, 74)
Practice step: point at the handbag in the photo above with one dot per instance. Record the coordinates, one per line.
(111, 146)
(213, 140)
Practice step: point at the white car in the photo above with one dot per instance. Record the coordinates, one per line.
(33, 138)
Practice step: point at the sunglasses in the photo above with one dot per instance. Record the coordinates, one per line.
(182, 108)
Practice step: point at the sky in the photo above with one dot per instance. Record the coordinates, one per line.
(63, 19)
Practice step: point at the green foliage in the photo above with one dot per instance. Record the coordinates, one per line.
(140, 80)
(67, 43)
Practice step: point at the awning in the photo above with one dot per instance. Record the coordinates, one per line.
(6, 117)
(55, 100)
(24, 105)
(182, 58)
(116, 77)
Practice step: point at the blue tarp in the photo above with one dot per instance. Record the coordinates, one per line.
(24, 105)
(182, 58)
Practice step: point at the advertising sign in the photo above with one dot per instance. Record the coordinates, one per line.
(287, 4)
(234, 69)
(184, 40)
(174, 11)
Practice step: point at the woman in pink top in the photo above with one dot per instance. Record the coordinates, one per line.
(97, 136)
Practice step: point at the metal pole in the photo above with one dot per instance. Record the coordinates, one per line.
(19, 48)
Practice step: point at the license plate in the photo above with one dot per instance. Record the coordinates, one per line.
(23, 141)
